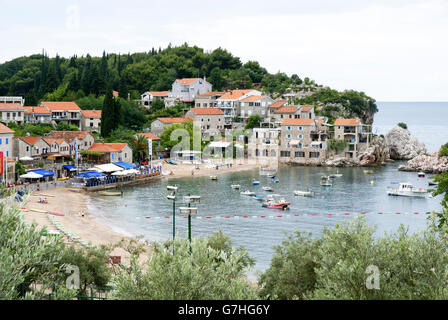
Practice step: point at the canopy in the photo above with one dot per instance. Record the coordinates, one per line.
(70, 167)
(90, 174)
(26, 159)
(125, 165)
(31, 175)
(109, 167)
(119, 173)
(219, 144)
(44, 173)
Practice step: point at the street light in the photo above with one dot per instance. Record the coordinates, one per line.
(172, 196)
(190, 199)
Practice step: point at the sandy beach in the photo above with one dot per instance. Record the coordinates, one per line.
(72, 204)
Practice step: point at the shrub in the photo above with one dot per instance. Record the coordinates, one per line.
(402, 125)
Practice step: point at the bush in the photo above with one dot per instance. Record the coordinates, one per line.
(402, 125)
(443, 150)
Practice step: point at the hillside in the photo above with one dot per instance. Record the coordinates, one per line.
(39, 77)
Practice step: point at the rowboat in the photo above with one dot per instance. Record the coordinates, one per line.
(258, 197)
(109, 193)
(247, 193)
(267, 188)
(276, 201)
(407, 190)
(255, 182)
(421, 174)
(335, 175)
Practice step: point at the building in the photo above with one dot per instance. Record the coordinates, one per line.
(63, 111)
(37, 115)
(158, 125)
(208, 99)
(6, 141)
(264, 145)
(30, 147)
(91, 120)
(148, 97)
(211, 120)
(284, 112)
(109, 152)
(57, 145)
(229, 103)
(186, 90)
(150, 136)
(12, 112)
(83, 140)
(255, 105)
(307, 112)
(354, 133)
(303, 141)
(13, 100)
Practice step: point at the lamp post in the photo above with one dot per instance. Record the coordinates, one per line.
(189, 199)
(172, 196)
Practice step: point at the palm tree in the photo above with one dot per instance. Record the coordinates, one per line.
(140, 147)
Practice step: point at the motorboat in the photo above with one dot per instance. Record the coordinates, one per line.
(255, 182)
(368, 171)
(110, 193)
(421, 174)
(276, 201)
(235, 186)
(258, 197)
(335, 175)
(267, 188)
(247, 193)
(325, 181)
(406, 189)
(307, 193)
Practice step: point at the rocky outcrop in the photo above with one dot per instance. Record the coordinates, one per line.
(341, 161)
(403, 146)
(426, 163)
(376, 154)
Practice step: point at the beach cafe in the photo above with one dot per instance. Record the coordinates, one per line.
(187, 155)
(38, 175)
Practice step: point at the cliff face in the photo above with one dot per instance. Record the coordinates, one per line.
(403, 146)
(376, 154)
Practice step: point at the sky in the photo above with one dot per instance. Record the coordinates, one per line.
(392, 50)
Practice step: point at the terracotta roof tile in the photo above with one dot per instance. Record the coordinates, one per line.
(30, 140)
(306, 108)
(347, 122)
(36, 110)
(91, 113)
(61, 105)
(149, 135)
(207, 111)
(210, 94)
(234, 94)
(187, 81)
(107, 147)
(298, 122)
(5, 129)
(69, 135)
(11, 106)
(277, 104)
(253, 98)
(286, 109)
(173, 120)
(159, 93)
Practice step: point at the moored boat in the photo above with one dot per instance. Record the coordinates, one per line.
(406, 189)
(109, 193)
(307, 193)
(255, 182)
(214, 177)
(235, 186)
(247, 193)
(267, 188)
(325, 181)
(421, 174)
(368, 171)
(276, 201)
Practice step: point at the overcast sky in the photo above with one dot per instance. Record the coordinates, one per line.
(393, 50)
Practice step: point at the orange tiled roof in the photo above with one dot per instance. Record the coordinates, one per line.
(107, 147)
(5, 129)
(347, 122)
(38, 110)
(11, 106)
(298, 122)
(159, 93)
(149, 135)
(306, 108)
(173, 120)
(61, 105)
(91, 113)
(207, 111)
(210, 94)
(286, 109)
(187, 81)
(30, 140)
(69, 135)
(49, 140)
(252, 98)
(234, 94)
(277, 104)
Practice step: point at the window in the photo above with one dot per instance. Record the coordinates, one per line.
(27, 148)
(314, 154)
(299, 154)
(288, 128)
(288, 136)
(273, 154)
(7, 153)
(299, 128)
(285, 153)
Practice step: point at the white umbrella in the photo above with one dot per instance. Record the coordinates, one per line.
(31, 175)
(119, 173)
(26, 159)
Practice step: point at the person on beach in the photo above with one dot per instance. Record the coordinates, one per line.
(192, 172)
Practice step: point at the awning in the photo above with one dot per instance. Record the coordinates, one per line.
(219, 144)
(125, 165)
(26, 159)
(43, 172)
(90, 174)
(294, 142)
(70, 167)
(109, 167)
(31, 175)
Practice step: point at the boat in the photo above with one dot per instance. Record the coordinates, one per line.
(368, 171)
(421, 174)
(275, 179)
(214, 177)
(276, 201)
(267, 188)
(255, 182)
(258, 197)
(110, 193)
(307, 193)
(247, 193)
(335, 175)
(325, 181)
(432, 183)
(266, 171)
(235, 186)
(406, 189)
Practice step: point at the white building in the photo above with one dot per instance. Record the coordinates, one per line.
(229, 103)
(186, 90)
(6, 141)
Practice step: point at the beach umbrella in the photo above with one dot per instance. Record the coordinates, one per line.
(31, 175)
(119, 173)
(26, 159)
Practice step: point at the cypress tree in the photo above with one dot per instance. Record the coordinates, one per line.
(107, 114)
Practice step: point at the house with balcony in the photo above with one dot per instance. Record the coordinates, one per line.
(91, 120)
(284, 112)
(158, 125)
(185, 90)
(12, 100)
(263, 146)
(255, 105)
(37, 115)
(6, 141)
(148, 97)
(30, 147)
(101, 153)
(354, 133)
(12, 112)
(63, 111)
(229, 103)
(303, 141)
(210, 120)
(83, 140)
(208, 99)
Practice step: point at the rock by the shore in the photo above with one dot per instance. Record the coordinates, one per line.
(426, 163)
(341, 161)
(376, 154)
(403, 146)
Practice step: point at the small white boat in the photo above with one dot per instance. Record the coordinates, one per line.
(406, 189)
(214, 177)
(247, 193)
(307, 193)
(335, 175)
(110, 193)
(235, 186)
(325, 181)
(421, 174)
(267, 188)
(255, 182)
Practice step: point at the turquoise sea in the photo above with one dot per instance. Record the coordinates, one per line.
(259, 229)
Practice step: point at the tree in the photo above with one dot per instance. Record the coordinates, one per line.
(443, 150)
(107, 114)
(157, 104)
(253, 122)
(402, 125)
(141, 147)
(199, 272)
